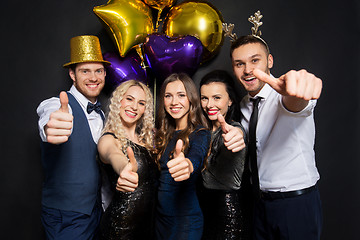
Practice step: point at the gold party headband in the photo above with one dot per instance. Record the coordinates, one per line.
(255, 29)
(256, 22)
(228, 31)
(255, 32)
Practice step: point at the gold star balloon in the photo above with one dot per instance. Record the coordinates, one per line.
(127, 21)
(199, 19)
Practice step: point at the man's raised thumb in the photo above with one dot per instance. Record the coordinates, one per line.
(64, 101)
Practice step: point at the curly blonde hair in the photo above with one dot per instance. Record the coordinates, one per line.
(144, 126)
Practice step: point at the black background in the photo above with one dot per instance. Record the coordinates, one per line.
(320, 36)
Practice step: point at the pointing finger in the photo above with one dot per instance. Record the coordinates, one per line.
(262, 76)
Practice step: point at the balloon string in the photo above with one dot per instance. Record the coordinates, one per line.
(154, 98)
(158, 20)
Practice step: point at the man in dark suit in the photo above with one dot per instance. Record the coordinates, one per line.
(70, 126)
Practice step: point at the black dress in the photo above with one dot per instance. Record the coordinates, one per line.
(130, 215)
(221, 196)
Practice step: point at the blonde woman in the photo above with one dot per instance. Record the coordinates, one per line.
(125, 150)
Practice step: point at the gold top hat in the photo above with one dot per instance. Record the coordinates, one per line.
(85, 49)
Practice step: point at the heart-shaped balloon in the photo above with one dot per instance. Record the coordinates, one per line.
(123, 69)
(172, 55)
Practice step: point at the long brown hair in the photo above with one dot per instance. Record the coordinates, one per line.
(166, 124)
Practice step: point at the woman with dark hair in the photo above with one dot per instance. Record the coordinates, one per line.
(220, 192)
(182, 142)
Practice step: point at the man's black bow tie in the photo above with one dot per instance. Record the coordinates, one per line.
(94, 107)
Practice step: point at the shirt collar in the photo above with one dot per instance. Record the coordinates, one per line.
(264, 93)
(79, 96)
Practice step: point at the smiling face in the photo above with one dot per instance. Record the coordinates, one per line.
(215, 100)
(132, 106)
(245, 59)
(176, 103)
(89, 79)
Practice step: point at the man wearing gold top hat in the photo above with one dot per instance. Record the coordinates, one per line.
(70, 126)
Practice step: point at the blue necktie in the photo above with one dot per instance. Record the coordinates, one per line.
(95, 107)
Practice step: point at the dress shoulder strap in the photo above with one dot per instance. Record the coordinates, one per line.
(110, 133)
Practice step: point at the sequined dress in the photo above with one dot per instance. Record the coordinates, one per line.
(130, 215)
(221, 197)
(179, 215)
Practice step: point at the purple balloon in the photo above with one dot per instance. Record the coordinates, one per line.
(124, 68)
(172, 55)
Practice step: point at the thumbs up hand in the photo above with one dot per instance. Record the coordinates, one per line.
(128, 178)
(233, 136)
(300, 84)
(297, 87)
(180, 167)
(58, 128)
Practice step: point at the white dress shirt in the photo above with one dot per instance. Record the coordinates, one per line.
(285, 142)
(50, 105)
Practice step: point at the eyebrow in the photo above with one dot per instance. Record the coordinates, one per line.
(176, 92)
(251, 57)
(214, 95)
(129, 95)
(88, 69)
